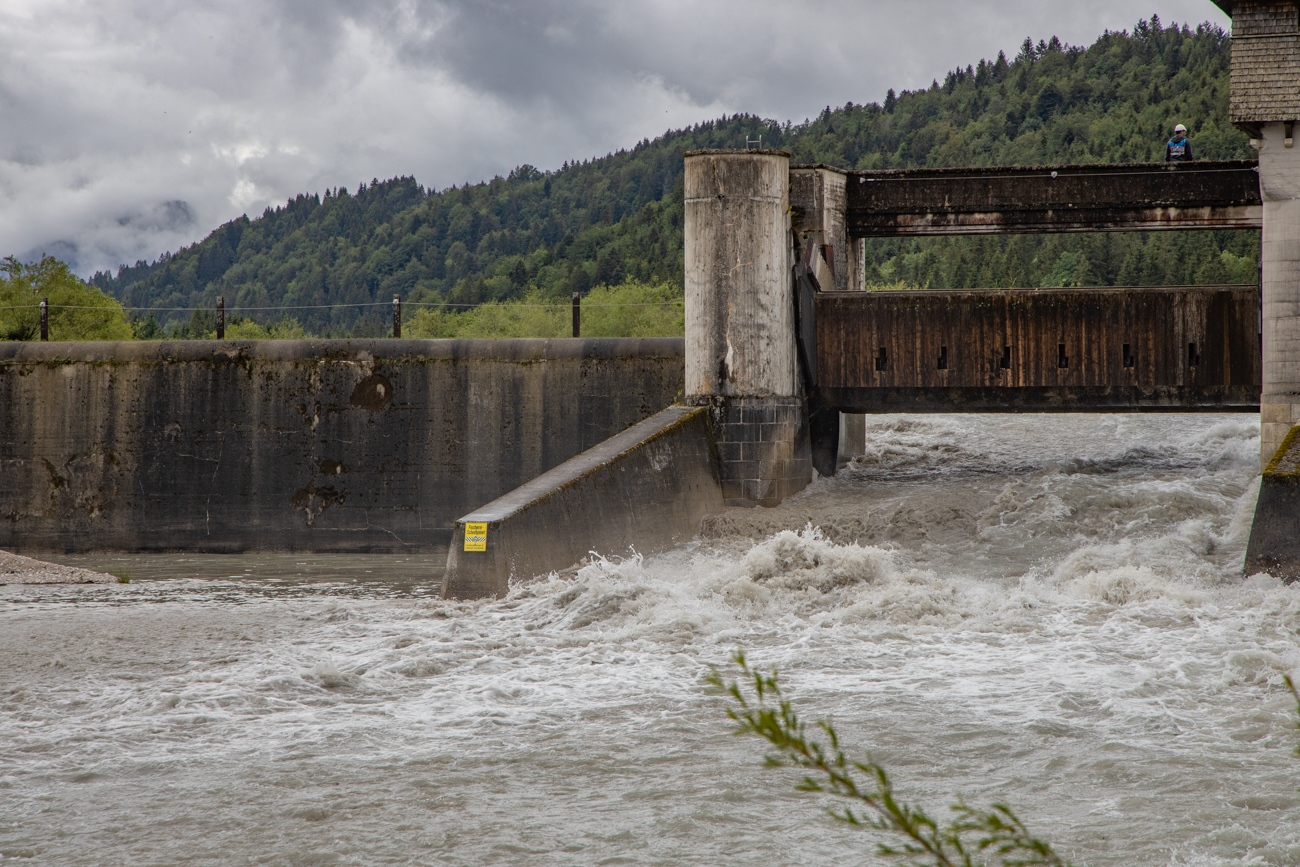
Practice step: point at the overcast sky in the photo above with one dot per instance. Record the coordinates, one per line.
(132, 127)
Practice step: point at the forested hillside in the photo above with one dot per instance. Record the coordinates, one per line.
(619, 218)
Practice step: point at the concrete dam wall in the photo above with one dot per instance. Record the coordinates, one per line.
(312, 445)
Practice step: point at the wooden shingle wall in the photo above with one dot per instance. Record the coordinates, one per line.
(1265, 62)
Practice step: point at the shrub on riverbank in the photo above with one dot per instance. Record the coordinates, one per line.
(631, 309)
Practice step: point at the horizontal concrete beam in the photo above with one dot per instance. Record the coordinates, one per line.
(1223, 398)
(511, 350)
(649, 486)
(1274, 545)
(1142, 346)
(1219, 194)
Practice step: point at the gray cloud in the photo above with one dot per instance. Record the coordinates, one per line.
(132, 127)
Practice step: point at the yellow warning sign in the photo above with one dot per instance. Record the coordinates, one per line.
(476, 537)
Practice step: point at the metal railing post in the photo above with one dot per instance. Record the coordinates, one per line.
(577, 315)
(45, 319)
(397, 317)
(221, 317)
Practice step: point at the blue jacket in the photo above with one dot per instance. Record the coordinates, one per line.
(1179, 150)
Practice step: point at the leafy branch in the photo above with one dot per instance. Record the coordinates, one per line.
(972, 838)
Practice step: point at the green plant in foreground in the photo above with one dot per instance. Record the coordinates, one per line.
(972, 837)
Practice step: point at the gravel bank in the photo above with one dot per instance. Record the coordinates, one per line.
(16, 569)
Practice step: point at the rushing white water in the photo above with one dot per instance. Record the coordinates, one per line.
(1046, 610)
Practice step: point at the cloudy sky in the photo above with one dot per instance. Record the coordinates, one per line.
(132, 127)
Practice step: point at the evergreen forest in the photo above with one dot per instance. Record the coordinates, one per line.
(617, 220)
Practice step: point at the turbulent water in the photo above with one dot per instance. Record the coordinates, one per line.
(1044, 610)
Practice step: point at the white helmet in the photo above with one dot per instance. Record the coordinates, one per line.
(1180, 128)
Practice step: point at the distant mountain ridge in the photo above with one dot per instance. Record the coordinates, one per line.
(619, 217)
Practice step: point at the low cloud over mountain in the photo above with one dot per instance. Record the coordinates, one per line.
(131, 128)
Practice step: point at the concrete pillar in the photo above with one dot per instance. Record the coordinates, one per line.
(857, 264)
(818, 200)
(1279, 183)
(740, 337)
(853, 436)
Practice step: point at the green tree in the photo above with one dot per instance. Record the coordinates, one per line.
(147, 328)
(77, 311)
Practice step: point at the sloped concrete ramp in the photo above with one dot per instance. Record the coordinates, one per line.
(647, 489)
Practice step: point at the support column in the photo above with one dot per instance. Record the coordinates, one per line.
(853, 436)
(817, 205)
(1279, 183)
(1264, 102)
(818, 200)
(740, 335)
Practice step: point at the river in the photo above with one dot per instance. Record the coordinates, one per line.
(1043, 610)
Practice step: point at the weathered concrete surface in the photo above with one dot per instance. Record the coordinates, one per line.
(649, 487)
(741, 357)
(764, 448)
(1279, 178)
(1050, 349)
(853, 437)
(1205, 194)
(739, 301)
(817, 209)
(321, 445)
(1274, 545)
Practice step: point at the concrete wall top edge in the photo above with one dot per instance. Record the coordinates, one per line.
(514, 349)
(795, 167)
(720, 152)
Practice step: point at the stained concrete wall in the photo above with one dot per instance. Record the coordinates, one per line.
(739, 299)
(817, 213)
(1274, 545)
(741, 358)
(1279, 182)
(357, 445)
(648, 487)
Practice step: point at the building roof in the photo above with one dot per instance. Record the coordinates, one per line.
(1226, 5)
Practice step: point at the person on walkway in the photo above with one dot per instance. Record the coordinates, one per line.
(1179, 149)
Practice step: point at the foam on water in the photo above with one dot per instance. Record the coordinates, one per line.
(1042, 610)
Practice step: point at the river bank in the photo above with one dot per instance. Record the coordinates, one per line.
(17, 569)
